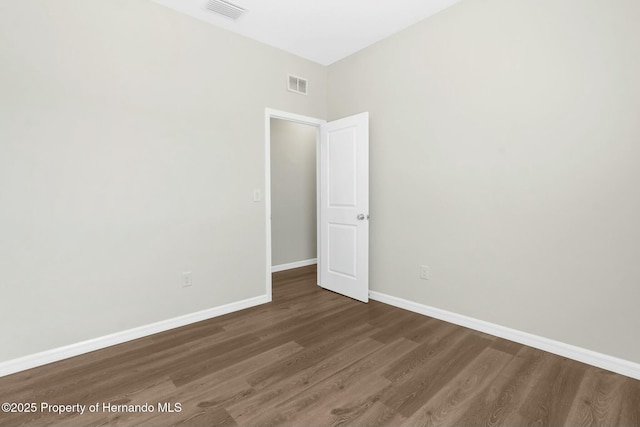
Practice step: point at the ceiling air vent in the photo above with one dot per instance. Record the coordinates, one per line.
(297, 85)
(225, 8)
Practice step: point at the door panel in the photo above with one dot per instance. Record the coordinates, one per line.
(344, 206)
(343, 246)
(342, 167)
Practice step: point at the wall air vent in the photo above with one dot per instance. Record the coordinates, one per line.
(225, 8)
(297, 84)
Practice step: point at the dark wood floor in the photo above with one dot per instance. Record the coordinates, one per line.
(314, 358)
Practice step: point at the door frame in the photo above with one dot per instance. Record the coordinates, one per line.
(269, 114)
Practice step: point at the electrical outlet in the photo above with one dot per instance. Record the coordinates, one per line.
(186, 279)
(425, 273)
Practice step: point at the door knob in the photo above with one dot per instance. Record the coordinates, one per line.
(360, 217)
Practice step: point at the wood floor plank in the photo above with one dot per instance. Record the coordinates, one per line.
(26, 379)
(344, 406)
(313, 401)
(314, 358)
(442, 340)
(296, 384)
(424, 329)
(408, 396)
(220, 395)
(311, 356)
(354, 315)
(378, 415)
(630, 410)
(551, 398)
(401, 326)
(506, 346)
(506, 393)
(284, 308)
(450, 403)
(221, 388)
(270, 337)
(190, 334)
(598, 401)
(101, 383)
(357, 398)
(245, 367)
(210, 417)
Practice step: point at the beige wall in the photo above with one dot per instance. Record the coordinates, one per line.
(293, 192)
(131, 139)
(504, 154)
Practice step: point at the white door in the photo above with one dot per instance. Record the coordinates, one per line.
(344, 206)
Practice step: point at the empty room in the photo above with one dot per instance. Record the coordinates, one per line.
(319, 213)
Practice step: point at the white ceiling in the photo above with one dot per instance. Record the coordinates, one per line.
(323, 31)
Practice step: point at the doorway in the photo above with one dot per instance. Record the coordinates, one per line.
(293, 195)
(288, 209)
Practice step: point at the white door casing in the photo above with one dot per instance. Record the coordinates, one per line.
(343, 262)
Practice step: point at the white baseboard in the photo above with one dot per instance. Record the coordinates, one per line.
(56, 354)
(296, 264)
(610, 363)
